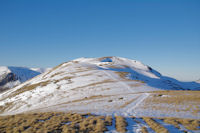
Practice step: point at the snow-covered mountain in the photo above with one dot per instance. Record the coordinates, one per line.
(13, 76)
(107, 85)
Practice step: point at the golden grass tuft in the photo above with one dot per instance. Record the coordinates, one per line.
(93, 124)
(120, 124)
(155, 126)
(144, 130)
(172, 121)
(108, 120)
(190, 124)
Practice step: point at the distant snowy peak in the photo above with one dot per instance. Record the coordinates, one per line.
(23, 73)
(12, 76)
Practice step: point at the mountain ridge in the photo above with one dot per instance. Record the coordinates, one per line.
(107, 85)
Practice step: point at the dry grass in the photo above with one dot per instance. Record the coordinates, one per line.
(8, 105)
(108, 120)
(25, 88)
(120, 124)
(89, 74)
(118, 67)
(181, 101)
(136, 85)
(29, 88)
(56, 67)
(19, 91)
(52, 70)
(122, 74)
(68, 78)
(55, 74)
(178, 97)
(52, 122)
(155, 126)
(93, 124)
(189, 124)
(172, 121)
(88, 98)
(79, 70)
(57, 122)
(103, 58)
(144, 130)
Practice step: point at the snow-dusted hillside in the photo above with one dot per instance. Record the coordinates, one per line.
(13, 76)
(108, 85)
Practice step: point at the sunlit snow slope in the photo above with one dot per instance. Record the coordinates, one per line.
(108, 85)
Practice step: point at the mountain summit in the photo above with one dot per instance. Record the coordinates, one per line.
(106, 85)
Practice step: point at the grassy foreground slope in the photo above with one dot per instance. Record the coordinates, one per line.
(57, 122)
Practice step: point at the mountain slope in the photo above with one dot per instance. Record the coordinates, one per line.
(108, 85)
(13, 76)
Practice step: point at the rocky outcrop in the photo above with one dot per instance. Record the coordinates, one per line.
(7, 78)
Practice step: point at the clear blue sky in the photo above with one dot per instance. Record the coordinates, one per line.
(164, 34)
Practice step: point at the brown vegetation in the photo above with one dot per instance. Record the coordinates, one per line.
(144, 129)
(57, 122)
(52, 122)
(172, 121)
(189, 124)
(179, 101)
(122, 74)
(108, 120)
(120, 124)
(29, 87)
(55, 74)
(6, 106)
(154, 125)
